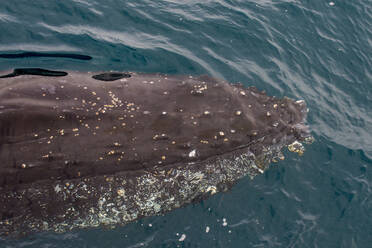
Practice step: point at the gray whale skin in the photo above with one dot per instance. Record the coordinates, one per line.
(82, 150)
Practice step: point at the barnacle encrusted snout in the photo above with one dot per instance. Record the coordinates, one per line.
(301, 131)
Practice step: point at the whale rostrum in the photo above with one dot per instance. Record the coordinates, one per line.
(87, 149)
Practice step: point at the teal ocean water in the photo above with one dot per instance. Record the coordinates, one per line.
(319, 51)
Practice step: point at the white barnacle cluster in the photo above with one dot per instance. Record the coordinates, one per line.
(162, 136)
(199, 89)
(300, 102)
(192, 154)
(57, 188)
(115, 101)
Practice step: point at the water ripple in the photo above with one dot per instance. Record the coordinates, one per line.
(7, 18)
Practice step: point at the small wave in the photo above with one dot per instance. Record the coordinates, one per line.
(7, 18)
(134, 40)
(39, 48)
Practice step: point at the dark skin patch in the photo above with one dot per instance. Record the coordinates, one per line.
(165, 123)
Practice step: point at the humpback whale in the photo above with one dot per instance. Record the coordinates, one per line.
(83, 149)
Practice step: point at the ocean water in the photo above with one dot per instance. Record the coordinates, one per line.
(318, 50)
